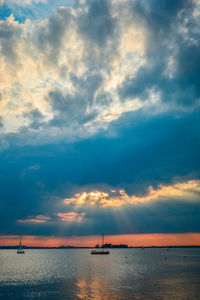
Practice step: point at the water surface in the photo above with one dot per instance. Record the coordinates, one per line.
(62, 274)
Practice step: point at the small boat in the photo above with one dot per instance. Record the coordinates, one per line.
(20, 250)
(99, 252)
(102, 251)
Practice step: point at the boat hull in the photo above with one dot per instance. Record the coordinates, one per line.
(99, 252)
(20, 251)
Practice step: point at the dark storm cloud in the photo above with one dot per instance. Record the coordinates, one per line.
(136, 152)
(161, 217)
(172, 37)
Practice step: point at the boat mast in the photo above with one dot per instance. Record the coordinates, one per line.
(20, 243)
(102, 240)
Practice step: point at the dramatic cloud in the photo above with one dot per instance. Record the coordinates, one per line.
(99, 105)
(83, 66)
(172, 40)
(186, 190)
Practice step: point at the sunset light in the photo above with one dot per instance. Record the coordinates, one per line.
(99, 149)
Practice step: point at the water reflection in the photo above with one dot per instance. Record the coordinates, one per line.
(124, 274)
(89, 289)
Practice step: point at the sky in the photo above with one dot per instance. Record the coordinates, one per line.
(99, 122)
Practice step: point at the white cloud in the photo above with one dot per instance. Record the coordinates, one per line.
(84, 58)
(54, 54)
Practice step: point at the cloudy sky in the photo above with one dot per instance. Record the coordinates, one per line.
(99, 121)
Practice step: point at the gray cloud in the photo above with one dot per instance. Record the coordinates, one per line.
(97, 24)
(173, 38)
(36, 118)
(1, 122)
(100, 31)
(10, 33)
(69, 109)
(50, 35)
(78, 108)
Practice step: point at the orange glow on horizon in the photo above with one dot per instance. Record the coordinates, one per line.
(155, 239)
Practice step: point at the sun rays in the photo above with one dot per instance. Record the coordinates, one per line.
(117, 198)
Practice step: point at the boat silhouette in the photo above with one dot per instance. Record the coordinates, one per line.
(20, 250)
(102, 251)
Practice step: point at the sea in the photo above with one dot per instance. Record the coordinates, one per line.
(133, 273)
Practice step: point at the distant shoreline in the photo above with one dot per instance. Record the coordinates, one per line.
(74, 247)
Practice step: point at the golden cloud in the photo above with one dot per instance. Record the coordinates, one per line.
(184, 191)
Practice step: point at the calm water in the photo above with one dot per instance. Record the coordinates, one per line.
(124, 274)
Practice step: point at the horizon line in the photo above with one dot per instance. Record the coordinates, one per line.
(136, 240)
(72, 247)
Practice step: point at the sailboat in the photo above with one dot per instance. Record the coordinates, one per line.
(102, 250)
(20, 250)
